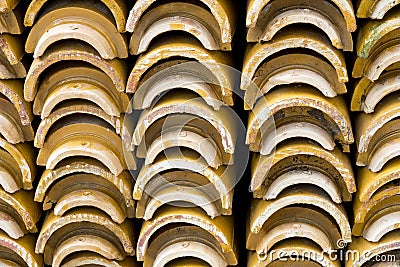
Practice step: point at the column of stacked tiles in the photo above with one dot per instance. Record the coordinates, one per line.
(183, 132)
(299, 129)
(376, 100)
(19, 214)
(76, 85)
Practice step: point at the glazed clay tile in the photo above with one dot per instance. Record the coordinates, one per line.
(96, 259)
(185, 48)
(368, 182)
(293, 68)
(11, 48)
(11, 53)
(22, 209)
(374, 30)
(8, 5)
(86, 220)
(76, 108)
(121, 185)
(381, 147)
(388, 244)
(86, 190)
(367, 95)
(262, 209)
(303, 158)
(82, 21)
(180, 181)
(303, 104)
(12, 19)
(369, 125)
(99, 143)
(377, 48)
(11, 226)
(117, 7)
(13, 91)
(294, 222)
(255, 7)
(375, 219)
(311, 177)
(71, 51)
(222, 119)
(377, 63)
(170, 138)
(222, 10)
(81, 91)
(9, 263)
(376, 228)
(187, 261)
(81, 82)
(220, 228)
(222, 179)
(186, 241)
(292, 231)
(196, 249)
(294, 130)
(298, 38)
(184, 122)
(190, 18)
(374, 9)
(87, 243)
(21, 251)
(23, 155)
(177, 194)
(11, 127)
(177, 75)
(187, 131)
(324, 15)
(91, 198)
(11, 175)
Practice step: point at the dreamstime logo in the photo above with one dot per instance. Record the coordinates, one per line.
(188, 139)
(341, 243)
(340, 254)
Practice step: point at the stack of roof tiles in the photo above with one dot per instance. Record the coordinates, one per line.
(184, 132)
(76, 84)
(294, 74)
(19, 214)
(376, 101)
